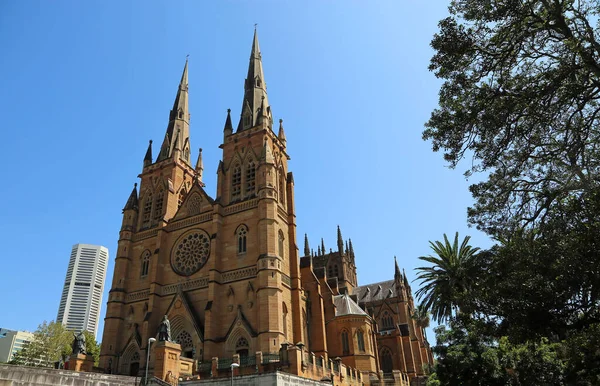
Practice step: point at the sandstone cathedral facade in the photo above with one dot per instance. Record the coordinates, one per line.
(227, 271)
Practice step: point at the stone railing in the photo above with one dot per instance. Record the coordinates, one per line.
(231, 209)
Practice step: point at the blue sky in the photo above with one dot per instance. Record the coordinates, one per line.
(85, 84)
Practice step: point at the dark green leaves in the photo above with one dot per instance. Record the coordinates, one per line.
(520, 96)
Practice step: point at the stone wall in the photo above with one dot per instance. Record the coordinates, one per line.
(11, 375)
(269, 379)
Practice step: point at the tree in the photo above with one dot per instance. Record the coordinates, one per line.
(92, 347)
(51, 342)
(445, 286)
(521, 97)
(421, 316)
(467, 355)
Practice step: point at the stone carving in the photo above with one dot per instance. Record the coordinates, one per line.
(79, 344)
(164, 330)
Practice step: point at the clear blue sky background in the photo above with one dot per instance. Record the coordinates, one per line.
(85, 84)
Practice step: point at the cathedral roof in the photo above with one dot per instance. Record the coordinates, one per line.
(344, 305)
(375, 291)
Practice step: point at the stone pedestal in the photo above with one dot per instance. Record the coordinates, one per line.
(166, 363)
(81, 362)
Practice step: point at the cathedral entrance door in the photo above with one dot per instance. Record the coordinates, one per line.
(134, 368)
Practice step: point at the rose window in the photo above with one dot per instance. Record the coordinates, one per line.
(190, 253)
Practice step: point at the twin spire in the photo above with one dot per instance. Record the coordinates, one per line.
(255, 109)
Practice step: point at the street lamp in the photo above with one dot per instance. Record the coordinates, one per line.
(233, 366)
(150, 341)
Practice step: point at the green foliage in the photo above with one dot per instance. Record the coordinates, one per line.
(92, 347)
(446, 285)
(582, 353)
(467, 355)
(520, 95)
(421, 316)
(51, 342)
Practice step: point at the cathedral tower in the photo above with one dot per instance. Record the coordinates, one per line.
(224, 270)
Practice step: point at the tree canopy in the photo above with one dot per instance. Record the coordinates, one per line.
(51, 343)
(520, 101)
(520, 97)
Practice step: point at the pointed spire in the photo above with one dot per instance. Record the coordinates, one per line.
(351, 250)
(199, 165)
(318, 250)
(347, 251)
(228, 129)
(323, 246)
(306, 247)
(148, 156)
(340, 241)
(281, 133)
(397, 275)
(132, 201)
(179, 119)
(255, 90)
(267, 155)
(405, 279)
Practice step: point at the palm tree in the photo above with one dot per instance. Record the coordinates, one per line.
(445, 285)
(421, 317)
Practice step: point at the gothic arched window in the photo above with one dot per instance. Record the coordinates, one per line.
(281, 187)
(281, 249)
(285, 319)
(335, 270)
(345, 343)
(250, 178)
(158, 206)
(387, 363)
(305, 326)
(387, 322)
(360, 338)
(242, 347)
(147, 210)
(145, 262)
(236, 182)
(241, 238)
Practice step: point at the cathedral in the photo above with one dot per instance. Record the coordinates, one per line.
(226, 269)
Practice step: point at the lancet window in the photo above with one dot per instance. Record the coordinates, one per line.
(386, 360)
(360, 338)
(158, 205)
(345, 343)
(147, 210)
(250, 178)
(281, 249)
(281, 187)
(145, 263)
(387, 322)
(285, 320)
(236, 182)
(241, 238)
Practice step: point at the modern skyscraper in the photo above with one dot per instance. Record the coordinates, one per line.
(82, 294)
(11, 342)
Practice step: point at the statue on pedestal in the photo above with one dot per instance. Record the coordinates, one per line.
(79, 344)
(164, 330)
